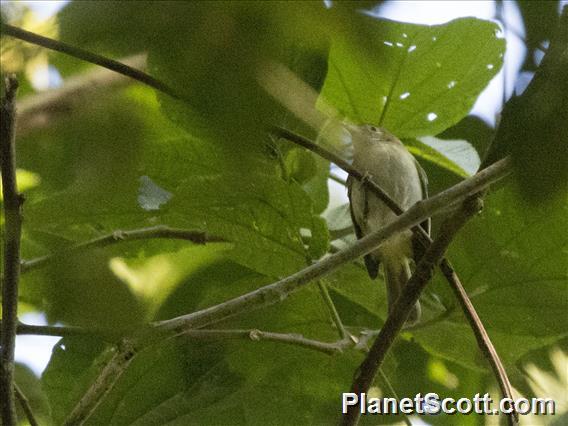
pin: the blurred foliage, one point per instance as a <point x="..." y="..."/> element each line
<point x="134" y="158"/>
<point x="33" y="390"/>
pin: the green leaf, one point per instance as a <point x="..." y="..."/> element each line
<point x="74" y="363"/>
<point x="312" y="173"/>
<point x="238" y="196"/>
<point x="80" y="289"/>
<point x="472" y="129"/>
<point x="511" y="260"/>
<point x="153" y="278"/>
<point x="457" y="156"/>
<point x="414" y="80"/>
<point x="187" y="381"/>
<point x="32" y="389"/>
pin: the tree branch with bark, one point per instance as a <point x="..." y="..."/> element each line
<point x="273" y="293"/>
<point x="12" y="231"/>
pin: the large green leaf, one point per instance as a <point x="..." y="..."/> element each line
<point x="30" y="387"/>
<point x="121" y="163"/>
<point x="415" y="80"/>
<point x="217" y="381"/>
<point x="239" y="196"/>
<point x="457" y="156"/>
<point x="74" y="363"/>
<point x="512" y="261"/>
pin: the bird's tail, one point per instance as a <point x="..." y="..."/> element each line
<point x="397" y="273"/>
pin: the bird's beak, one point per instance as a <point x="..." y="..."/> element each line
<point x="352" y="128"/>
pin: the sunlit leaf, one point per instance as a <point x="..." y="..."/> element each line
<point x="415" y="80"/>
<point x="457" y="156"/>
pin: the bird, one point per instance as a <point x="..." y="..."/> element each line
<point x="382" y="157"/>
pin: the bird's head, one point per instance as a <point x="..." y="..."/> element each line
<point x="369" y="133"/>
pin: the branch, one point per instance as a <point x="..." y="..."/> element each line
<point x="332" y="310"/>
<point x="276" y="292"/>
<point x="339" y="162"/>
<point x="161" y="231"/>
<point x="110" y="336"/>
<point x="258" y="335"/>
<point x="410" y="294"/>
<point x="483" y="340"/>
<point x="13" y="228"/>
<point x="90" y="57"/>
<point x="25" y="404"/>
<point x="254" y="335"/>
<point x="156" y="84"/>
<point x="37" y="111"/>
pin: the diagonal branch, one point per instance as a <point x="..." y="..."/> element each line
<point x="90" y="57"/>
<point x="276" y="292"/>
<point x="25" y="404"/>
<point x="160" y="231"/>
<point x="152" y="82"/>
<point x="410" y="294"/>
<point x="12" y="233"/>
<point x="483" y="340"/>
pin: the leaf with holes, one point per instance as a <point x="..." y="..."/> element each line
<point x="414" y="80"/>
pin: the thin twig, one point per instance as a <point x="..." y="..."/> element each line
<point x="435" y="320"/>
<point x="25" y="404"/>
<point x="276" y="292"/>
<point x="110" y="336"/>
<point x="332" y="309"/>
<point x="91" y="57"/>
<point x="255" y="335"/>
<point x="483" y="340"/>
<point x="160" y="231"/>
<point x="336" y="234"/>
<point x="411" y="292"/>
<point x="391" y="389"/>
<point x="250" y="334"/>
<point x="13" y="228"/>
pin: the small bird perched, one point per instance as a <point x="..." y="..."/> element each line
<point x="384" y="159"/>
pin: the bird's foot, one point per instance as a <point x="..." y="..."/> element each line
<point x="367" y="177"/>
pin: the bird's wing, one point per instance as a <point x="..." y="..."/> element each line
<point x="418" y="248"/>
<point x="371" y="262"/>
<point x="426" y="225"/>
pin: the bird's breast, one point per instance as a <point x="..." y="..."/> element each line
<point x="393" y="168"/>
